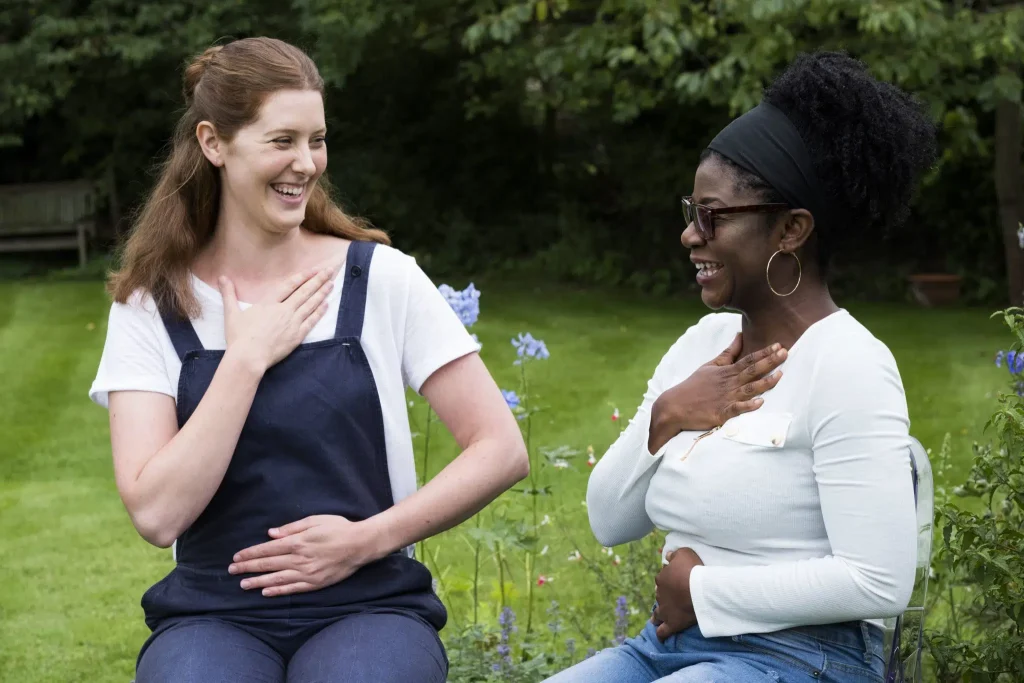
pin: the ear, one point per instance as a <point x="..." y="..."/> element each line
<point x="210" y="143"/>
<point x="795" y="230"/>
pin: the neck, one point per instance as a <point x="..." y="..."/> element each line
<point x="248" y="253"/>
<point x="783" y="320"/>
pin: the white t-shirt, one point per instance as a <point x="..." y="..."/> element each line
<point x="409" y="331"/>
<point x="802" y="510"/>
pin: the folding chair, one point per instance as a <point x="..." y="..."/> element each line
<point x="904" y="635"/>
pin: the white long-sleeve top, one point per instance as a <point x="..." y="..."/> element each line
<point x="802" y="510"/>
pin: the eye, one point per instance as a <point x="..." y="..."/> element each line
<point x="282" y="141"/>
<point x="319" y="141"/>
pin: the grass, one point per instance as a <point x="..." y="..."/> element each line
<point x="74" y="569"/>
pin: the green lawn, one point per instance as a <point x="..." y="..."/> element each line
<point x="73" y="569"/>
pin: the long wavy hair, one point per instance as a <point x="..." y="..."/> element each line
<point x="225" y="85"/>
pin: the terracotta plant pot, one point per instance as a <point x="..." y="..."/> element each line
<point x="935" y="289"/>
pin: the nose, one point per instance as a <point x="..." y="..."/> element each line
<point x="690" y="237"/>
<point x="303" y="162"/>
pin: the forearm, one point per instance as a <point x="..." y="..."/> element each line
<point x="176" y="484"/>
<point x="617" y="490"/>
<point x="759" y="599"/>
<point x="469" y="483"/>
<point x="867" y="505"/>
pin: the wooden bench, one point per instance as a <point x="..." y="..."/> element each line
<point x="48" y="217"/>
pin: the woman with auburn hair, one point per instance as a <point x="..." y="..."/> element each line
<point x="257" y="354"/>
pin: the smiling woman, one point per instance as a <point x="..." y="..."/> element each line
<point x="269" y="442"/>
<point x="772" y="444"/>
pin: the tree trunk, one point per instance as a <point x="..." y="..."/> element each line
<point x="1010" y="191"/>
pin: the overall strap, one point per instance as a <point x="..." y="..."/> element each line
<point x="353" y="291"/>
<point x="182" y="334"/>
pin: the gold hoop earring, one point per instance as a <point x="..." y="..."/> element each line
<point x="799" y="272"/>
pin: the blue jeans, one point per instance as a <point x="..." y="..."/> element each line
<point x="361" y="648"/>
<point x="840" y="653"/>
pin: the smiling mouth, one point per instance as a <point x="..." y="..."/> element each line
<point x="289" y="190"/>
<point x="707" y="270"/>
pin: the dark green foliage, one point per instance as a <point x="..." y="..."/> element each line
<point x="552" y="135"/>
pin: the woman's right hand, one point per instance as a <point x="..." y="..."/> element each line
<point x="268" y="331"/>
<point x="717" y="391"/>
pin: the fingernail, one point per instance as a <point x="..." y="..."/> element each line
<point x="245" y="583"/>
<point x="780" y="354"/>
<point x="775" y="347"/>
<point x="232" y="569"/>
<point x="237" y="557"/>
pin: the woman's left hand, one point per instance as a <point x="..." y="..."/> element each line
<point x="674" y="611"/>
<point x="306" y="555"/>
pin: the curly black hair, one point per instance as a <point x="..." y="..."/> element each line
<point x="870" y="142"/>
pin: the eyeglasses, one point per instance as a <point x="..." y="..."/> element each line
<point x="703" y="217"/>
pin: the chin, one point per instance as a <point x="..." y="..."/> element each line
<point x="284" y="223"/>
<point x="714" y="299"/>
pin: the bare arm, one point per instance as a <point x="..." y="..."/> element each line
<point x="167" y="477"/>
<point x="494" y="457"/>
<point x="323" y="549"/>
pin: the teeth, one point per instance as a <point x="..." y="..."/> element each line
<point x="708" y="266"/>
<point x="290" y="190"/>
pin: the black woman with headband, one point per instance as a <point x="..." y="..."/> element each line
<point x="772" y="444"/>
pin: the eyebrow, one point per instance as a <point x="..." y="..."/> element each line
<point x="707" y="200"/>
<point x="292" y="131"/>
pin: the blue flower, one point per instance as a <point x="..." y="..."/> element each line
<point x="1014" y="361"/>
<point x="528" y="347"/>
<point x="507" y="619"/>
<point x="465" y="303"/>
<point x="621" y="620"/>
<point x="511" y="400"/>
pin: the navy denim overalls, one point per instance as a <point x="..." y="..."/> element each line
<point x="312" y="444"/>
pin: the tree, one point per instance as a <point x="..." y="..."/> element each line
<point x="95" y="85"/>
<point x="618" y="58"/>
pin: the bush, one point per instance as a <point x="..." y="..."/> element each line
<point x="980" y="565"/>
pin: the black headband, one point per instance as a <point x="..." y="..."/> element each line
<point x="765" y="142"/>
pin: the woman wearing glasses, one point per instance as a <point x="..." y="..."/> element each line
<point x="772" y="442"/>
